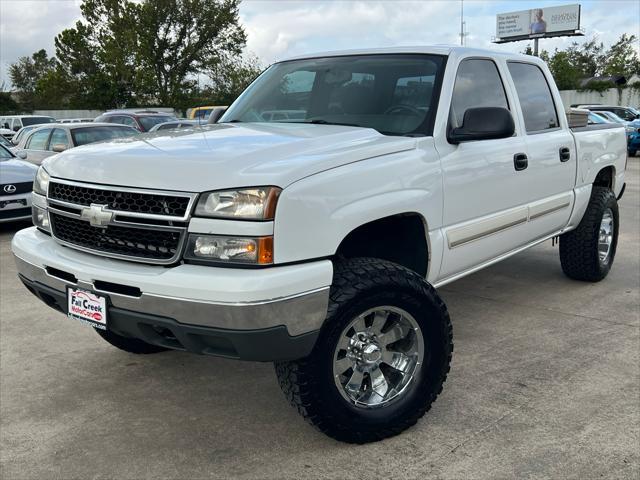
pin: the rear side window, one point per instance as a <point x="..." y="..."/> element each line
<point x="535" y="97"/>
<point x="38" y="139"/>
<point x="478" y="84"/>
<point x="59" y="137"/>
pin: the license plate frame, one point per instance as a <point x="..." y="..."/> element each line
<point x="87" y="307"/>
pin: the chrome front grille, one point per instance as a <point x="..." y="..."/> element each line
<point x="139" y="225"/>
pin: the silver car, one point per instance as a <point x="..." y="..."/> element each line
<point x="16" y="183"/>
<point x="48" y="140"/>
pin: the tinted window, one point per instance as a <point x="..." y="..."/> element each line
<point x="4" y="153"/>
<point x="537" y="105"/>
<point x="360" y="90"/>
<point x="84" y="135"/>
<point x="37" y="120"/>
<point x="58" y="137"/>
<point x="38" y="139"/>
<point x="149" y="122"/>
<point x="478" y="84"/>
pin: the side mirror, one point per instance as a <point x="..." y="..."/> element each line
<point x="21" y="154"/>
<point x="59" y="147"/>
<point x="215" y="114"/>
<point x="16" y="128"/>
<point x="483" y="123"/>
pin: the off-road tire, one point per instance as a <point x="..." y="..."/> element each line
<point x="579" y="248"/>
<point x="131" y="345"/>
<point x="358" y="285"/>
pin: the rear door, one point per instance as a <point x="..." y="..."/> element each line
<point x="550" y="150"/>
<point x="36" y="146"/>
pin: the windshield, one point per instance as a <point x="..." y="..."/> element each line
<point x="4" y="153"/>
<point x="393" y="94"/>
<point x="36" y="120"/>
<point x="150" y="122"/>
<point x="82" y="136"/>
<point x="5" y="142"/>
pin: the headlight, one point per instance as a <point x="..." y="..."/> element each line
<point x="215" y="248"/>
<point x="40" y="218"/>
<point x="41" y="182"/>
<point x="243" y="204"/>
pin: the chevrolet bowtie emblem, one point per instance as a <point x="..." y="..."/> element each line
<point x="98" y="215"/>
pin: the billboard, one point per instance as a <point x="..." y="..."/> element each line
<point x="538" y="23"/>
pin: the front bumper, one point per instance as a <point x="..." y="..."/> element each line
<point x="267" y="314"/>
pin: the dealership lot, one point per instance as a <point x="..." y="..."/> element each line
<point x="545" y="382"/>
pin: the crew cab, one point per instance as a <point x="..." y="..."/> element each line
<point x="317" y="240"/>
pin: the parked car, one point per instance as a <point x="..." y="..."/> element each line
<point x="16" y="182"/>
<point x="20" y="134"/>
<point x="318" y="242"/>
<point x="46" y="141"/>
<point x="627" y="114"/>
<point x="5" y="143"/>
<point x="75" y="120"/>
<point x="142" y="120"/>
<point x="175" y="125"/>
<point x="200" y="113"/>
<point x="16" y="122"/>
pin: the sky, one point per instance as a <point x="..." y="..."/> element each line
<point x="278" y="29"/>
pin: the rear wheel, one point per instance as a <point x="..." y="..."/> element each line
<point x="587" y="253"/>
<point x="381" y="358"/>
<point x="131" y="345"/>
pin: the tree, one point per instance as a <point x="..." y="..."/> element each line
<point x="587" y="58"/>
<point x="7" y="104"/>
<point x="622" y="58"/>
<point x="127" y="53"/>
<point x="27" y="72"/>
<point x="230" y="78"/>
<point x="565" y="73"/>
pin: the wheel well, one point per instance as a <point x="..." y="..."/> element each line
<point x="605" y="178"/>
<point x="400" y="239"/>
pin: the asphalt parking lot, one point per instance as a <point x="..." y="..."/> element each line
<point x="545" y="382"/>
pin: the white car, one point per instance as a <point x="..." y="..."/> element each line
<point x="318" y="241"/>
<point x="16" y="182"/>
<point x="48" y="140"/>
<point x="12" y="123"/>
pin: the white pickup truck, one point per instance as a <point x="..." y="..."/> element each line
<point x="315" y="237"/>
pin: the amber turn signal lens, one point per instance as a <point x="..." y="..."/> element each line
<point x="265" y="250"/>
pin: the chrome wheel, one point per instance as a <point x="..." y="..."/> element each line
<point x="378" y="355"/>
<point x="605" y="236"/>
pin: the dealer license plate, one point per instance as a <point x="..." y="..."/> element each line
<point x="87" y="307"/>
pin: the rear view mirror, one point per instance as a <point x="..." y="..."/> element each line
<point x="59" y="147"/>
<point x="483" y="123"/>
<point x="21" y="154"/>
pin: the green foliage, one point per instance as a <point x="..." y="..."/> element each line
<point x="230" y="78"/>
<point x="27" y="72"/>
<point x="7" y="104"/>
<point x="129" y="53"/>
<point x="591" y="59"/>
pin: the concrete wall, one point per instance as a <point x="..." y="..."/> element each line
<point x="627" y="97"/>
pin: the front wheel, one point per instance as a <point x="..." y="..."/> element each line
<point x="381" y="358"/>
<point x="587" y="252"/>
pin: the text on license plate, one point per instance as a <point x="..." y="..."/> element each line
<point x="87" y="307"/>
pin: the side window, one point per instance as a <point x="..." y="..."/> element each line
<point x="17" y="124"/>
<point x="537" y="105"/>
<point x="38" y="140"/>
<point x="478" y="84"/>
<point x="127" y="121"/>
<point x="58" y="137"/>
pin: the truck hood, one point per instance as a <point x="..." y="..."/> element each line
<point x="223" y="156"/>
<point x="17" y="171"/>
